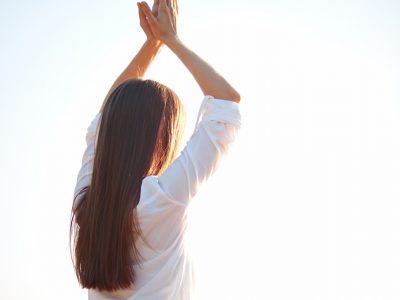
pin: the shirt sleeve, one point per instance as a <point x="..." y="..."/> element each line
<point x="202" y="154"/>
<point x="85" y="173"/>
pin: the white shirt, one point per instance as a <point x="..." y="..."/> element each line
<point x="166" y="272"/>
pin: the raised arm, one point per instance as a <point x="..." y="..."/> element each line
<point x="220" y="122"/>
<point x="141" y="62"/>
<point x="164" y="28"/>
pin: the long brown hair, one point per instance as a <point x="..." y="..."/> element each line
<point x="139" y="135"/>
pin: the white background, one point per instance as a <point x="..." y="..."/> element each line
<point x="306" y="206"/>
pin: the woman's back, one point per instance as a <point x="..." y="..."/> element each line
<point x="166" y="269"/>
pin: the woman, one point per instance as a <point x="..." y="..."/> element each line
<point x="132" y="192"/>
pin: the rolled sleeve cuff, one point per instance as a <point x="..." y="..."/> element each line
<point x="222" y="110"/>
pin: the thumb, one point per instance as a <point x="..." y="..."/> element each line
<point x="154" y="9"/>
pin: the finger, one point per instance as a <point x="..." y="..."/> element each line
<point x="163" y="4"/>
<point x="154" y="9"/>
<point x="176" y="6"/>
<point x="142" y="18"/>
<point x="149" y="16"/>
<point x="169" y="4"/>
<point x="143" y="23"/>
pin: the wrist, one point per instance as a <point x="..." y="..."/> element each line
<point x="155" y="44"/>
<point x="172" y="41"/>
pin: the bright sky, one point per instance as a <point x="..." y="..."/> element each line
<point x="306" y="206"/>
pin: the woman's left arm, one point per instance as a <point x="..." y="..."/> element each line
<point x="141" y="62"/>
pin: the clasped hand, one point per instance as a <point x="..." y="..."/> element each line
<point x="159" y="23"/>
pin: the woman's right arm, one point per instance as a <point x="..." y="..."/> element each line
<point x="164" y="28"/>
<point x="221" y="118"/>
<point x="210" y="82"/>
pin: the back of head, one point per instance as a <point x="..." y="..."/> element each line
<point x="144" y="117"/>
<point x="139" y="135"/>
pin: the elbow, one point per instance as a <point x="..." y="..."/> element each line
<point x="235" y="96"/>
<point x="228" y="94"/>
